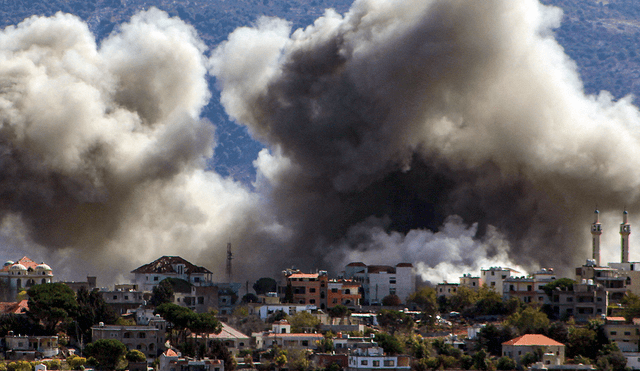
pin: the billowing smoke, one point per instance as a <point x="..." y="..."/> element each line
<point x="454" y="135"/>
<point x="389" y="121"/>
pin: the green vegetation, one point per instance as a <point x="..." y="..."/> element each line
<point x="106" y="353"/>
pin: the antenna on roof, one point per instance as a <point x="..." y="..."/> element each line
<point x="229" y="257"/>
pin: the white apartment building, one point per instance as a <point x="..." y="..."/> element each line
<point x="379" y="281"/>
<point x="494" y="277"/>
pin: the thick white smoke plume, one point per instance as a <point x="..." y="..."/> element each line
<point x="451" y="134"/>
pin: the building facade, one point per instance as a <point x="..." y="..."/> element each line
<point x="379" y="281"/>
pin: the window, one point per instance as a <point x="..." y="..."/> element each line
<point x="201" y="300"/>
<point x="196" y="279"/>
<point x="627" y="333"/>
<point x="493" y="284"/>
<point x="504" y="276"/>
<point x="115" y="297"/>
<point x="334" y="290"/>
<point x="155" y="278"/>
<point x="376" y="363"/>
<point x="305" y="343"/>
<point x="312" y="289"/>
<point x="312" y="301"/>
<point x="389" y="363"/>
<point x="142" y="335"/>
<point x="364" y="362"/>
<point x="392" y="280"/>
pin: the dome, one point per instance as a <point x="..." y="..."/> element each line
<point x="8" y="262"/>
<point x="18" y="267"/>
<point x="43" y="267"/>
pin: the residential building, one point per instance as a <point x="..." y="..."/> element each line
<point x="234" y="340"/>
<point x="494" y="277"/>
<point x="264" y="311"/>
<point x="379" y="281"/>
<point x="373" y="359"/>
<point x="30" y="347"/>
<point x="625" y="335"/>
<point x="150" y="275"/>
<point x="611" y="280"/>
<point x="307" y="288"/>
<point x="516" y="348"/>
<point x="173" y="361"/>
<point x="343" y="292"/>
<point x="281" y="336"/>
<point x="529" y="289"/>
<point x="321" y="361"/>
<point x="123" y="301"/>
<point x="472" y="282"/>
<point x="18" y="307"/>
<point x="21" y="275"/>
<point x="447" y="289"/>
<point x="147" y="339"/>
<point x="89" y="284"/>
<point x="586" y="300"/>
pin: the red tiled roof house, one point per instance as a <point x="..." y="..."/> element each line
<point x="518" y="347"/>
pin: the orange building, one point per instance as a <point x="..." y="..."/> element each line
<point x="308" y="288"/>
<point x="343" y="292"/>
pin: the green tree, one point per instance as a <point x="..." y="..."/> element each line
<point x="506" y="363"/>
<point x="303" y="321"/>
<point x="135" y="355"/>
<point x="339" y="311"/>
<point x="162" y="293"/>
<point x="582" y="341"/>
<point x="394" y="320"/>
<point x="106" y="352"/>
<point x="529" y="321"/>
<point x="611" y="358"/>
<point x="463" y="299"/>
<point x="264" y="285"/>
<point x="425" y="299"/>
<point x="529" y="358"/>
<point x="492" y="337"/>
<point x="91" y="309"/>
<point x="389" y="343"/>
<point x="219" y="351"/>
<point x="391" y="301"/>
<point x="481" y="360"/>
<point x="75" y="362"/>
<point x="51" y="303"/>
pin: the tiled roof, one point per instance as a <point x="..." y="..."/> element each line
<point x="356" y="264"/>
<point x="228" y="332"/>
<point x="14" y="307"/>
<point x="170" y="353"/>
<point x="615" y="319"/>
<point x="165" y="265"/>
<point x="28" y="263"/>
<point x="532" y="339"/>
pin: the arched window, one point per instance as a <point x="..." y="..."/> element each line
<point x="18" y="283"/>
<point x="347" y="292"/>
<point x="44" y="280"/>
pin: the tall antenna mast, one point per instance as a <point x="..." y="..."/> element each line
<point x="229" y="257"/>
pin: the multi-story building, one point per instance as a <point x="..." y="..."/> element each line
<point x="264" y="311"/>
<point x="610" y="278"/>
<point x="149" y="339"/>
<point x="625" y="335"/>
<point x="123" y="301"/>
<point x="447" y="289"/>
<point x="234" y="340"/>
<point x="373" y="359"/>
<point x="90" y="284"/>
<point x="307" y="288"/>
<point x="494" y="277"/>
<point x="280" y="335"/>
<point x="586" y="300"/>
<point x="472" y="282"/>
<point x="172" y="361"/>
<point x="30" y="347"/>
<point x="529" y="289"/>
<point x="150" y="275"/>
<point x="21" y="275"/>
<point x="379" y="281"/>
<point x="343" y="292"/>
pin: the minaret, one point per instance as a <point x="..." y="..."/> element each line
<point x="596" y="231"/>
<point x="625" y="231"/>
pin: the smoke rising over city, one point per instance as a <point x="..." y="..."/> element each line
<point x="453" y="135"/>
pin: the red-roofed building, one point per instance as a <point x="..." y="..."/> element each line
<point x="624" y="334"/>
<point x="516" y="348"/>
<point x="172" y="361"/>
<point x="21" y="275"/>
<point x="234" y="340"/>
<point x="19" y="307"/>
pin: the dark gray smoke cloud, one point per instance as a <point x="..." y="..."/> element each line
<point x="392" y="119"/>
<point x="454" y="135"/>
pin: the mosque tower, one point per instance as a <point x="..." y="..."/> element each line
<point x="625" y="231"/>
<point x="596" y="231"/>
